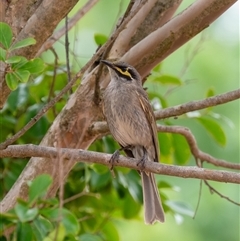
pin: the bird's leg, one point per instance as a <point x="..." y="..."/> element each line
<point x="141" y="163"/>
<point x="116" y="154"/>
<point x="114" y="158"/>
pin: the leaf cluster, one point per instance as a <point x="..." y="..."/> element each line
<point x="18" y="68"/>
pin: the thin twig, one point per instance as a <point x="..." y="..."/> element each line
<point x="199" y="198"/>
<point x="51" y="92"/>
<point x="67" y="52"/>
<point x="198" y="105"/>
<point x="54" y="73"/>
<point x="84" y="193"/>
<point x="213" y="190"/>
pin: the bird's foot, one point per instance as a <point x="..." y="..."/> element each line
<point x="116" y="154"/>
<point x="114" y="158"/>
<point x="141" y="163"/>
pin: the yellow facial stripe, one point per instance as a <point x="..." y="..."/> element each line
<point x="123" y="72"/>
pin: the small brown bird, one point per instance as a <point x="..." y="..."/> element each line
<point x="132" y="123"/>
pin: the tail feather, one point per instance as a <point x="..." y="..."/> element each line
<point x="152" y="203"/>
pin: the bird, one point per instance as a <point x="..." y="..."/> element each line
<point x="131" y="121"/>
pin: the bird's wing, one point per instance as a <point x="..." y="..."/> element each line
<point x="147" y="108"/>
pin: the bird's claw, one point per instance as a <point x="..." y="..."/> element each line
<point x="141" y="163"/>
<point x="114" y="158"/>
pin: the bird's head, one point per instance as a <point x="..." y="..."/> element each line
<point x="121" y="71"/>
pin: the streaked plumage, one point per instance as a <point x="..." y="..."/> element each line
<point x="131" y="122"/>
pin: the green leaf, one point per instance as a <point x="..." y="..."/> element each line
<point x="155" y="94"/>
<point x="34" y="66"/>
<point x="3" y="53"/>
<point x="39" y="186"/>
<point x="18" y="99"/>
<point x="70" y="222"/>
<point x="100" y="169"/>
<point x="89" y="237"/>
<point x="57" y="234"/>
<point x="24" y="232"/>
<point x="164" y="184"/>
<point x="99" y="181"/>
<point x="180" y="207"/>
<point x="130" y="208"/>
<point x="68" y="219"/>
<point x="134" y="188"/>
<point x="25" y="213"/>
<point x="181" y="149"/>
<point x="157" y="68"/>
<point x="23" y="43"/>
<point x="165" y="141"/>
<point x="7" y="219"/>
<point x="18" y="65"/>
<point x="5" y="35"/>
<point x="23" y="75"/>
<point x="110" y="232"/>
<point x="214" y="129"/>
<point x="12" y="81"/>
<point x="41" y="227"/>
<point x="100" y="39"/>
<point x="167" y="79"/>
<point x="210" y="93"/>
<point x="13" y="59"/>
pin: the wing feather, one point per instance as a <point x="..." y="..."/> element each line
<point x="146" y="107"/>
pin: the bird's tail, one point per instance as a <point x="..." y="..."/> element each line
<point x="152" y="203"/>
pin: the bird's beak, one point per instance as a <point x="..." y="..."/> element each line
<point x="109" y="64"/>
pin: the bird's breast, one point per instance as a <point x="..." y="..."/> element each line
<point x="125" y="117"/>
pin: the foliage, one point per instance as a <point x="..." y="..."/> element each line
<point x="19" y="68"/>
<point x="94" y="202"/>
<point x="39" y="218"/>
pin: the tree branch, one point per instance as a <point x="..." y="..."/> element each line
<point x="198" y="154"/>
<point x="151" y="16"/>
<point x="72" y="21"/>
<point x="198" y="105"/>
<point x="179" y="30"/>
<point x="102" y="158"/>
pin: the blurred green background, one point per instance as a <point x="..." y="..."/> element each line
<point x="207" y="63"/>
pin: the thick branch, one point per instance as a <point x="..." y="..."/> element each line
<point x="102" y="158"/>
<point x="72" y="21"/>
<point x="17" y="13"/>
<point x="151" y="16"/>
<point x="165" y="40"/>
